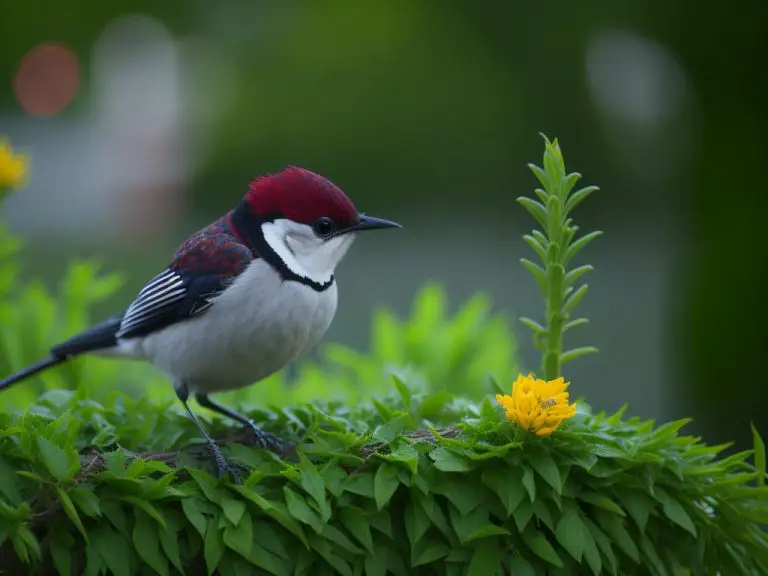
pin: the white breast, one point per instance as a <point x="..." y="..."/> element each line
<point x="254" y="328"/>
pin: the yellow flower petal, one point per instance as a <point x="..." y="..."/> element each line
<point x="13" y="167"/>
<point x="538" y="404"/>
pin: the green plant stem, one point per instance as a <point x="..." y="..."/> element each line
<point x="555" y="248"/>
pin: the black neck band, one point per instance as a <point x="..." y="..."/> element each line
<point x="249" y="226"/>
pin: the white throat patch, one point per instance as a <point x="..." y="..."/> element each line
<point x="302" y="252"/>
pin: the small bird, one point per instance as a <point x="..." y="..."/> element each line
<point x="241" y="298"/>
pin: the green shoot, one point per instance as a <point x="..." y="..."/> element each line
<point x="555" y="245"/>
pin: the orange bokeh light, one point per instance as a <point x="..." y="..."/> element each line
<point x="47" y="79"/>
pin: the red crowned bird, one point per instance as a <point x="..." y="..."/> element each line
<point x="240" y="299"/>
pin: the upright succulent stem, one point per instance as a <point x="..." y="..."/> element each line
<point x="555" y="247"/>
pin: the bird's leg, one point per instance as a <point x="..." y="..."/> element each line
<point x="263" y="439"/>
<point x="223" y="467"/>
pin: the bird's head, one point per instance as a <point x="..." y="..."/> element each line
<point x="308" y="222"/>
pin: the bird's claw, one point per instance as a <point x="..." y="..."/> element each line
<point x="267" y="440"/>
<point x="225" y="469"/>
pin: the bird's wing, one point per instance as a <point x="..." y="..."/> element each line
<point x="186" y="288"/>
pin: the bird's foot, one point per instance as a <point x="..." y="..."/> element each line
<point x="267" y="440"/>
<point x="224" y="468"/>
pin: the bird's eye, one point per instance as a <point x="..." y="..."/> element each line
<point x="324" y="227"/>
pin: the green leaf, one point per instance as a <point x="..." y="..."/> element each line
<point x="538" y="273"/>
<point x="759" y="447"/>
<point x="594" y="535"/>
<point x="402" y="388"/>
<point x="507" y="486"/>
<point x="674" y="511"/>
<point x="385" y="483"/>
<point x="570" y="532"/>
<point x="464" y="495"/>
<point x="147" y="543"/>
<point x="487" y="531"/>
<point x="356" y="522"/>
<point x="519" y="566"/>
<point x="538" y="248"/>
<point x="578" y="245"/>
<point x="194" y="515"/>
<point x="322" y="547"/>
<point x="113" y="548"/>
<point x="361" y="484"/>
<point x="406" y="454"/>
<point x="71" y="512"/>
<point x="265" y="534"/>
<point x="575" y="324"/>
<point x="207" y="483"/>
<point x="577" y="353"/>
<point x="146" y="507"/>
<point x="540" y="175"/>
<point x="416" y="522"/>
<point x="522" y="515"/>
<point x="536" y="209"/>
<point x="233" y="509"/>
<point x="600" y="501"/>
<point x="391" y="429"/>
<point x="338" y="537"/>
<point x="213" y="546"/>
<point x="486" y="560"/>
<point x="86" y="500"/>
<point x="9" y="483"/>
<point x="300" y="510"/>
<point x="430" y="551"/>
<point x="61" y="546"/>
<point x="529" y="482"/>
<point x="169" y="540"/>
<point x="592" y="556"/>
<point x="375" y="564"/>
<point x="540" y="546"/>
<point x="614" y="527"/>
<point x="547" y="469"/>
<point x="448" y="461"/>
<point x="314" y="485"/>
<point x="55" y="459"/>
<point x="240" y="537"/>
<point x="573" y="275"/>
<point x="637" y="504"/>
<point x="649" y="551"/>
<point x="533" y="325"/>
<point x="573" y="300"/>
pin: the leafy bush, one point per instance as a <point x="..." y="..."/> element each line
<point x="418" y="478"/>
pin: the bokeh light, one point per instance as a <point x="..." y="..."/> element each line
<point x="47" y="79"/>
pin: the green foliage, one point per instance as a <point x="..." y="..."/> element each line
<point x="371" y="491"/>
<point x="556" y="247"/>
<point x="402" y="465"/>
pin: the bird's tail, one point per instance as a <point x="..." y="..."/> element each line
<point x="98" y="338"/>
<point x="31" y="370"/>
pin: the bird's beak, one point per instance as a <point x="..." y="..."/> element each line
<point x="372" y="223"/>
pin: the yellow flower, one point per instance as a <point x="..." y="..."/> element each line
<point x="13" y="167"/>
<point x="537" y="405"/>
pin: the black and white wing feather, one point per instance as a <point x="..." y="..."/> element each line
<point x="181" y="292"/>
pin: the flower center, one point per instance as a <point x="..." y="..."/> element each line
<point x="548" y="403"/>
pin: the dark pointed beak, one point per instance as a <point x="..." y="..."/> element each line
<point x="372" y="223"/>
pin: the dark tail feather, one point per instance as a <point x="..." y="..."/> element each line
<point x="98" y="337"/>
<point x="31" y="370"/>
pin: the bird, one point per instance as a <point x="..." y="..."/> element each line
<point x="240" y="299"/>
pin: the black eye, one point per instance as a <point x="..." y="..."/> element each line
<point x="324" y="227"/>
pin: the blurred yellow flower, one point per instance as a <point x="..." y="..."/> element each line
<point x="13" y="167"/>
<point x="538" y="405"/>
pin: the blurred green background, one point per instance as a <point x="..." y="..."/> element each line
<point x="147" y="119"/>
